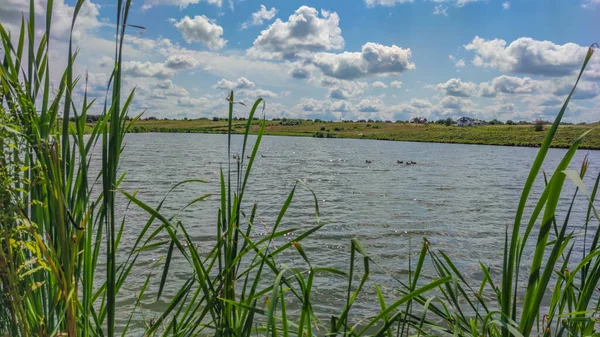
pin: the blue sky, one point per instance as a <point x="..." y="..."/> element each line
<point x="352" y="59"/>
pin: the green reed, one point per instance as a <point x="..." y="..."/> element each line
<point x="59" y="274"/>
<point x="51" y="235"/>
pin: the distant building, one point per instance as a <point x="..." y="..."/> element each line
<point x="477" y="122"/>
<point x="465" y="121"/>
<point x="418" y="120"/>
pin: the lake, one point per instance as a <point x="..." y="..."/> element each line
<point x="460" y="197"/>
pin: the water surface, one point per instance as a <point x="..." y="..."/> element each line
<point x="460" y="197"/>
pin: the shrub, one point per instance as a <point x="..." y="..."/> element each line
<point x="538" y="125"/>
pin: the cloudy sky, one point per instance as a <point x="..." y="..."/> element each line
<point x="340" y="59"/>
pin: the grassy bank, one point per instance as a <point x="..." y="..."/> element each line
<point x="508" y="135"/>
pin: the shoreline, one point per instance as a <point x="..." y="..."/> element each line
<point x="495" y="135"/>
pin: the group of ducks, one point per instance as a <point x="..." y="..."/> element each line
<point x="235" y="156"/>
<point x="399" y="162"/>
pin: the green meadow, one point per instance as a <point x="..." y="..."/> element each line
<point x="508" y="135"/>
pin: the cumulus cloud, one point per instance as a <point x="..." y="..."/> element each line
<point x="166" y="89"/>
<point x="179" y="3"/>
<point x="299" y="70"/>
<point x="506" y="5"/>
<point x="340" y="89"/>
<point x="396" y="84"/>
<point x="181" y="61"/>
<point x="452" y="105"/>
<point x="258" y="18"/>
<point x="11" y="12"/>
<point x="370" y="105"/>
<point x="373" y="59"/>
<point x="201" y="29"/>
<point x="304" y="32"/>
<point x="508" y="85"/>
<point x="379" y="85"/>
<point x="527" y="56"/>
<point x="240" y="83"/>
<point x="584" y="90"/>
<point x="386" y="3"/>
<point x="146" y="69"/>
<point x="456" y="87"/>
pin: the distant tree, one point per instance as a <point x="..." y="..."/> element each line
<point x="370" y="121"/>
<point x="362" y="121"/>
<point x="215" y="119"/>
<point x="184" y="118"/>
<point x="495" y="122"/>
<point x="151" y="118"/>
<point x="317" y="120"/>
<point x="538" y="125"/>
<point x="448" y="121"/>
<point x="524" y="123"/>
<point x="323" y="128"/>
<point x="440" y="121"/>
<point x="510" y="122"/>
<point x="388" y="121"/>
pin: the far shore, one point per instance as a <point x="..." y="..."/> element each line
<point x="504" y="135"/>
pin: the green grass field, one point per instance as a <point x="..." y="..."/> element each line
<point x="508" y="135"/>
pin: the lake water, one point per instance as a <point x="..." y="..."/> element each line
<point x="461" y="197"/>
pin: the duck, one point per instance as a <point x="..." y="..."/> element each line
<point x="400" y="162"/>
<point x="263" y="156"/>
<point x="248" y="157"/>
<point x="368" y="161"/>
<point x="413" y="162"/>
<point x="235" y="156"/>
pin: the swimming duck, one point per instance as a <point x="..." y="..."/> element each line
<point x="400" y="162"/>
<point x="368" y="161"/>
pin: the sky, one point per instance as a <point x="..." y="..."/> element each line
<point x="337" y="59"/>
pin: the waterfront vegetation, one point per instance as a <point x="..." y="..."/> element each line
<point x="60" y="234"/>
<point x="508" y="135"/>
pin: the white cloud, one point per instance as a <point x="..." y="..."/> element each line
<point x="527" y="56"/>
<point x="458" y="63"/>
<point x="589" y="3"/>
<point x="379" y="85"/>
<point x="166" y="88"/>
<point x="257" y="93"/>
<point x="181" y="61"/>
<point x="396" y="84"/>
<point x="240" y="83"/>
<point x="11" y="12"/>
<point x="386" y="3"/>
<point x="146" y="69"/>
<point x="341" y="89"/>
<point x="374" y="59"/>
<point x="506" y="5"/>
<point x="179" y="3"/>
<point x="508" y="85"/>
<point x="584" y="90"/>
<point x="456" y="87"/>
<point x="303" y="33"/>
<point x="454" y="105"/>
<point x="370" y="105"/>
<point x="259" y="17"/>
<point x="201" y="29"/>
<point x="440" y="10"/>
<point x="299" y="70"/>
